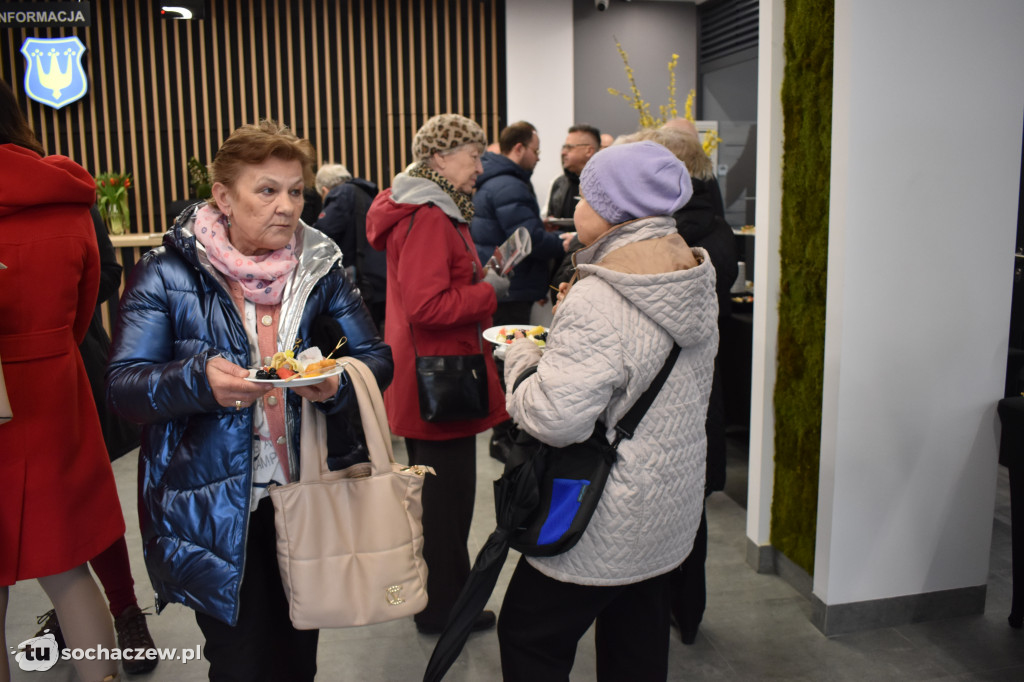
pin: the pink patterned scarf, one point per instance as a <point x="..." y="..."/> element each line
<point x="262" y="277"/>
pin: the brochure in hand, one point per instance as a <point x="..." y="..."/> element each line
<point x="512" y="252"/>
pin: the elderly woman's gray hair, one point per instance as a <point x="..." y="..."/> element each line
<point x="331" y="175"/>
<point x="684" y="144"/>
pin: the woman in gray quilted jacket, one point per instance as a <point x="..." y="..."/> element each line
<point x="638" y="291"/>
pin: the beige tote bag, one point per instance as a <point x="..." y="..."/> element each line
<point x="350" y="543"/>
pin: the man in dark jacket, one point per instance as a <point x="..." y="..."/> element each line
<point x="582" y="142"/>
<point x="504" y="201"/>
<point x="343" y="218"/>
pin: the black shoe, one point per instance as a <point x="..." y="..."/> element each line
<point x="688" y="635"/>
<point x="133" y="633"/>
<point x="51" y="625"/>
<point x="485" y="621"/>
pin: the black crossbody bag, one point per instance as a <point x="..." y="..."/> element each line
<point x="559" y="488"/>
<point x="451" y="387"/>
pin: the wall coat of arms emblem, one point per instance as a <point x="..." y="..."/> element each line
<point x="54" y="75"/>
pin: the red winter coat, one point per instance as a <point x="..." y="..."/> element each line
<point x="59" y="505"/>
<point x="431" y="286"/>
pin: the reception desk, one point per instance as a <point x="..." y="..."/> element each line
<point x="147" y="241"/>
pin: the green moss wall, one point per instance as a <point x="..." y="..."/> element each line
<point x="803" y="250"/>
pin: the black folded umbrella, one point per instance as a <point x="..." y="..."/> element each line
<point x="515" y="497"/>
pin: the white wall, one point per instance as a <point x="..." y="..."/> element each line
<point x="926" y="153"/>
<point x="539" y="48"/>
<point x="650" y="33"/>
<point x="542" y="37"/>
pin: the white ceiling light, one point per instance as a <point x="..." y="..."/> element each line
<point x="181" y="12"/>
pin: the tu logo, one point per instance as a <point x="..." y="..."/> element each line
<point x="38" y="653"/>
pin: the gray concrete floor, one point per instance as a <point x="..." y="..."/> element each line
<point x="756" y="626"/>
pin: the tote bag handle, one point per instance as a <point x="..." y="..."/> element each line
<point x="313" y="433"/>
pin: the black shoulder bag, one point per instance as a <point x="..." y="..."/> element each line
<point x="550" y="493"/>
<point x="451" y="387"/>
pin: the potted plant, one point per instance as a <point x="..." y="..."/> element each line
<point x="199" y="185"/>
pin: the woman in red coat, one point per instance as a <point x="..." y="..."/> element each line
<point x="440" y="298"/>
<point x="59" y="505"/>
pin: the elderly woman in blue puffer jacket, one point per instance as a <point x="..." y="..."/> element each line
<point x="236" y="280"/>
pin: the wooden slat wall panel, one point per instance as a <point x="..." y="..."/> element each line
<point x="356" y="78"/>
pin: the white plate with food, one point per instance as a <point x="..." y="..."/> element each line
<point x="504" y="334"/>
<point x="296" y="379"/>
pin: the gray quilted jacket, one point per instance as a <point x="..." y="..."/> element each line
<point x="609" y="338"/>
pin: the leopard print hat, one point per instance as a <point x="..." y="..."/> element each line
<point x="445" y="132"/>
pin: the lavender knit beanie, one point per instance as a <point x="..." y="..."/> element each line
<point x="635" y="180"/>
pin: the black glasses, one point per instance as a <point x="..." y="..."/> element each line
<point x="568" y="147"/>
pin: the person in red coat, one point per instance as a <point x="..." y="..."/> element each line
<point x="59" y="506"/>
<point x="439" y="299"/>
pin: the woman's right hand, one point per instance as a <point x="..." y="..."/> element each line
<point x="500" y="284"/>
<point x="229" y="385"/>
<point x="563" y="289"/>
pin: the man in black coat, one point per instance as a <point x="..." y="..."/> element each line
<point x="346" y="201"/>
<point x="701" y="223"/>
<point x="582" y="142"/>
<point x="343" y="218"/>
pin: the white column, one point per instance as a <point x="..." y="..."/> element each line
<point x="926" y="154"/>
<point x="539" y="59"/>
<point x="771" y="61"/>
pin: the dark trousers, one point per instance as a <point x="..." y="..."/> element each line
<point x="263" y="645"/>
<point x="542" y="620"/>
<point x="448" y="500"/>
<point x="688" y="585"/>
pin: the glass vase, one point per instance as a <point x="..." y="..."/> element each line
<point x="117" y="217"/>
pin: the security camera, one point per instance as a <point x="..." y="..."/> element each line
<point x="601" y="5"/>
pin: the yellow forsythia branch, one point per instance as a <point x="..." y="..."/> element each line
<point x="710" y="142"/>
<point x="670" y="112"/>
<point x="711" y="139"/>
<point x="638" y="103"/>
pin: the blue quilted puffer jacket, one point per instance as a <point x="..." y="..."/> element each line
<point x="196" y="456"/>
